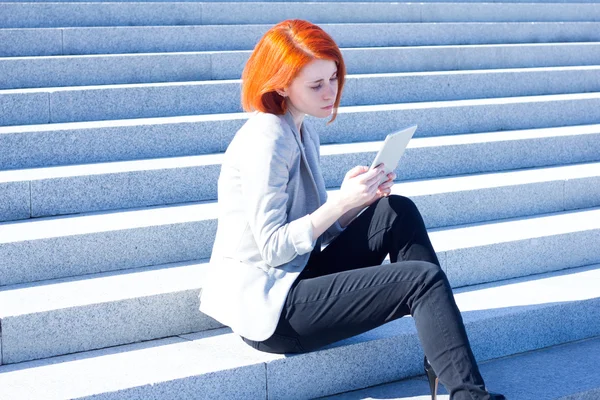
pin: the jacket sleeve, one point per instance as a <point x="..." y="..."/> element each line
<point x="264" y="173"/>
<point x="332" y="232"/>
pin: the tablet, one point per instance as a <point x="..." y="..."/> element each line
<point x="392" y="149"/>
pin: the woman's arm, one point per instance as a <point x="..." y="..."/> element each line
<point x="350" y="215"/>
<point x="358" y="189"/>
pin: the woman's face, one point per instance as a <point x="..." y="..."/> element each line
<point x="314" y="90"/>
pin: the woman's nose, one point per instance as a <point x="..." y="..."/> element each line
<point x="331" y="91"/>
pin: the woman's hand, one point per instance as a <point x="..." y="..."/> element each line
<point x="384" y="189"/>
<point x="361" y="187"/>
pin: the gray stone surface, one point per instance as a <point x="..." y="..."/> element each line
<point x="467" y="116"/>
<point x="160" y="39"/>
<point x="267" y="13"/>
<point x="501" y="319"/>
<point x="144" y="101"/>
<point x="41" y="15"/>
<point x="90" y="142"/>
<point x="464" y="207"/>
<point x="448" y="58"/>
<point x="172" y="67"/>
<point x="78" y="189"/>
<point x="20" y="107"/>
<point x="111" y="318"/>
<point x="30" y="42"/>
<point x="458" y="85"/>
<point x="101" y="325"/>
<point x="350" y="1"/>
<point x="15" y="201"/>
<point x="344" y="367"/>
<point x="109" y="191"/>
<point x="562" y="372"/>
<point x="172" y="99"/>
<point x="173" y="368"/>
<point x="468" y="266"/>
<point x="582" y="193"/>
<point x="73" y="255"/>
<point x="428" y="160"/>
<point x="194" y="38"/>
<point x="592" y="394"/>
<point x="63" y="144"/>
<point x="41" y="72"/>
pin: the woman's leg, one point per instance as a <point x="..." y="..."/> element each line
<point x="340" y="295"/>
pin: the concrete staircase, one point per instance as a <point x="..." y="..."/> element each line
<point x="113" y="120"/>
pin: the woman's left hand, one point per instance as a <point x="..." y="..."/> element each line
<point x="383" y="190"/>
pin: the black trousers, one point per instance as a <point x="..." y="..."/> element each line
<point x="344" y="291"/>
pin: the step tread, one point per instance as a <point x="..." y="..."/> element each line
<point x="202" y="353"/>
<point x="514" y="229"/>
<point x="113" y="286"/>
<point x="115" y="167"/>
<point x="214" y="82"/>
<point x="48" y="227"/>
<point x="80" y="224"/>
<point x="342" y="110"/>
<point x="117" y="368"/>
<point x="545" y="374"/>
<point x="100" y="288"/>
<point x="348" y="49"/>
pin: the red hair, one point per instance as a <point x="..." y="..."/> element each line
<point x="278" y="57"/>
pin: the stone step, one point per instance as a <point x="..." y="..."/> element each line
<point x="63" y="190"/>
<point x="562" y="372"/>
<point x="151" y="39"/>
<point x="61" y="71"/>
<point x="33" y="146"/>
<point x="48" y="15"/>
<point x="523" y="315"/>
<point x="307" y="1"/>
<point x="168" y="234"/>
<point x="109" y="102"/>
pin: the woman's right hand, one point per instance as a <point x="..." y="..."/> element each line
<point x="360" y="186"/>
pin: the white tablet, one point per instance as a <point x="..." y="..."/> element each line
<point x="392" y="149"/>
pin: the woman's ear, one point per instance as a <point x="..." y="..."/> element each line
<point x="282" y="92"/>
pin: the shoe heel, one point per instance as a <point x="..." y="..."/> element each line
<point x="432" y="378"/>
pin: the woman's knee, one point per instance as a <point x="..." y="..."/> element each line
<point x="429" y="272"/>
<point x="399" y="205"/>
<point x="402" y="204"/>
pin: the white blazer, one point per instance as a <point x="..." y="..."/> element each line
<point x="270" y="181"/>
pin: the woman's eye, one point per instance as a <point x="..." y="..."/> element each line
<point x="334" y="78"/>
<point x="316" y="87"/>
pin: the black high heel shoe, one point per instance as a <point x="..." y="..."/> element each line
<point x="434" y="382"/>
<point x="431" y="377"/>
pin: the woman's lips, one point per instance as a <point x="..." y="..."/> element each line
<point x="329" y="107"/>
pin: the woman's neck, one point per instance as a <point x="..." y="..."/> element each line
<point x="297" y="116"/>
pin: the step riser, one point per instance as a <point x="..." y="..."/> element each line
<point x="238" y="383"/>
<point x="101" y="325"/>
<point x="76" y="105"/>
<point x="107" y="251"/>
<point x="38" y="259"/>
<point x="132" y="14"/>
<point x="508" y="260"/>
<point x="57" y="41"/>
<point x="536" y="318"/>
<point x="194" y="136"/>
<point x="548" y="2"/>
<point x="177" y="313"/>
<point x="17" y="73"/>
<point x="299" y="377"/>
<point x="78" y="194"/>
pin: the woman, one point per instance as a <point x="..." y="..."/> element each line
<point x="270" y="280"/>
